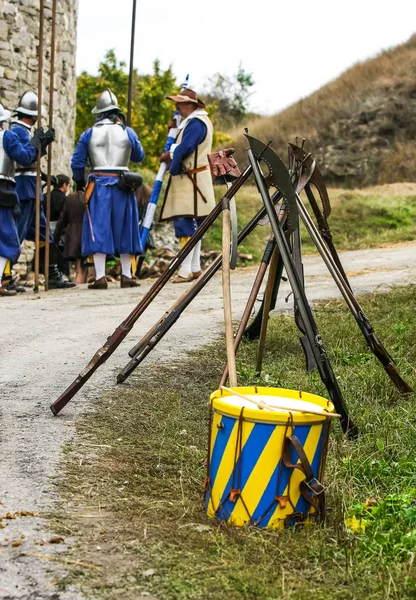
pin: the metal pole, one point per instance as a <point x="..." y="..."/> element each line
<point x="38" y="181"/>
<point x="48" y="185"/>
<point x="130" y="92"/>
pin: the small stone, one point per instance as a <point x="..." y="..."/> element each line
<point x="149" y="572"/>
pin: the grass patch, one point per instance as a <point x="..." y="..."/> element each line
<point x="138" y="466"/>
<point x="366" y="218"/>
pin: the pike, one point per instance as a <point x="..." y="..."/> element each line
<point x="48" y="183"/>
<point x="157" y="186"/>
<point x="38" y="165"/>
<point x="125" y="327"/>
<point x="323" y="364"/>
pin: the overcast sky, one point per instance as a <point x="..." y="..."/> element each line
<point x="291" y="47"/>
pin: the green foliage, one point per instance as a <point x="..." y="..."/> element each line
<point x="229" y="96"/>
<point x="151" y="112"/>
<point x="387" y="528"/>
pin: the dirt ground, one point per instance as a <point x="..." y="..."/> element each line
<point x="47" y="339"/>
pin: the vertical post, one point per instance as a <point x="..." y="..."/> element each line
<point x="130" y="90"/>
<point x="39" y="124"/>
<point x="48" y="185"/>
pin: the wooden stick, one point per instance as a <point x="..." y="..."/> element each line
<point x="39" y="124"/>
<point x="226" y="291"/>
<point x="48" y="185"/>
<point x="263" y="405"/>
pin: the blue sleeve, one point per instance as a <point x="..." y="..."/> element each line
<point x="80" y="156"/>
<point x="193" y="135"/>
<point x="137" y="152"/>
<point x="18" y="147"/>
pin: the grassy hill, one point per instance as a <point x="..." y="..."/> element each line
<point x="361" y="127"/>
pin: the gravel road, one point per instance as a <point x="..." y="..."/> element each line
<point x="48" y="338"/>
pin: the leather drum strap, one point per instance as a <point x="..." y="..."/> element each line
<point x="309" y="485"/>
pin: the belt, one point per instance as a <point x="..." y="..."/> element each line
<point x="198" y="170"/>
<point x="106" y="173"/>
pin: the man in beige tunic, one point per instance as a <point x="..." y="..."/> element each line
<point x="189" y="195"/>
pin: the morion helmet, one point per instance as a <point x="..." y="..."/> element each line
<point x="28" y="104"/>
<point x="105" y="102"/>
<point x="4" y="114"/>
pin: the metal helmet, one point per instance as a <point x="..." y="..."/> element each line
<point x="105" y="102"/>
<point x="28" y="104"/>
<point x="4" y="114"/>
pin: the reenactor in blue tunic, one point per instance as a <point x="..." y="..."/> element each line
<point x="27" y="114"/>
<point x="111" y="222"/>
<point x="11" y="150"/>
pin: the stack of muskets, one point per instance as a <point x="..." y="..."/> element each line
<point x="39" y="124"/>
<point x="283" y="250"/>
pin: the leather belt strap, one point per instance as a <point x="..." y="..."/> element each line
<point x="194" y="183"/>
<point x="310" y="488"/>
<point x="198" y="169"/>
<point x="106" y="173"/>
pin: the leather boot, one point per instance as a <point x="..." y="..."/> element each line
<point x="5" y="292"/>
<point x="99" y="284"/>
<point x="57" y="280"/>
<point x="10" y="285"/>
<point x="126" y="282"/>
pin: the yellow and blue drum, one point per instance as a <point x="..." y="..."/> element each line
<point x="265" y="465"/>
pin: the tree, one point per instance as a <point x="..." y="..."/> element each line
<point x="229" y="97"/>
<point x="151" y="112"/>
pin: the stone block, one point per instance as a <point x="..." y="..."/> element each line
<point x="9" y="74"/>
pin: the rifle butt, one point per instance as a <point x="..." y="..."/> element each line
<point x="399" y="382"/>
<point x="309" y="357"/>
<point x="97" y="360"/>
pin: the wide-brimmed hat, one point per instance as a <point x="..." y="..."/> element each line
<point x="187" y="95"/>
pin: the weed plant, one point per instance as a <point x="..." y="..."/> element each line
<point x="137" y="469"/>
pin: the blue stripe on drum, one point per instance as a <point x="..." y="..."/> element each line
<point x="267" y="499"/>
<point x="250" y="454"/>
<point x="221" y="442"/>
<point x="302" y="505"/>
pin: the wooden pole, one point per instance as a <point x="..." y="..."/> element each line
<point x="130" y="91"/>
<point x="39" y="124"/>
<point x="48" y="185"/>
<point x="226" y="290"/>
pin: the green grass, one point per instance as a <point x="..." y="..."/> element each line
<point x="359" y="219"/>
<point x="138" y="466"/>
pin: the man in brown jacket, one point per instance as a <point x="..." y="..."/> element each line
<point x="189" y="195"/>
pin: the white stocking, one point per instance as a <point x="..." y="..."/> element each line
<point x="185" y="268"/>
<point x="99" y="264"/>
<point x="125" y="260"/>
<point x="196" y="258"/>
<point x="3" y="262"/>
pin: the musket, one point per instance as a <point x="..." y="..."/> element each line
<point x="323" y="364"/>
<point x="161" y="327"/>
<point x="362" y="320"/>
<point x="157" y="186"/>
<point x="125" y="327"/>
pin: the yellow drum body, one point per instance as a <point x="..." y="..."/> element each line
<point x="264" y="466"/>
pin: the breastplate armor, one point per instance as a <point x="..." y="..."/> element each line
<point x="7" y="165"/>
<point x="109" y="147"/>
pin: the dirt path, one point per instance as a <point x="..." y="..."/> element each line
<point x="48" y="338"/>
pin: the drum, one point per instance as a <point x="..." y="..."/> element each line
<point x="264" y="465"/>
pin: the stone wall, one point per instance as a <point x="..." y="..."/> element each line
<point x="19" y="42"/>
